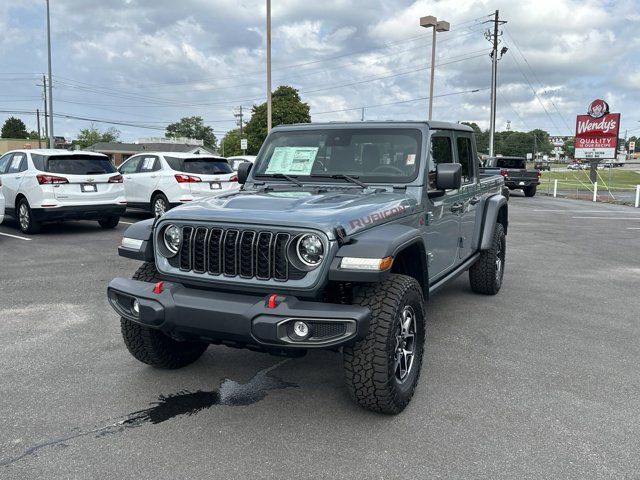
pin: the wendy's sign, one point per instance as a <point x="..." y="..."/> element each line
<point x="597" y="132"/>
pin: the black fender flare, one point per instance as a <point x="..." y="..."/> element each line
<point x="142" y="231"/>
<point x="378" y="242"/>
<point x="496" y="209"/>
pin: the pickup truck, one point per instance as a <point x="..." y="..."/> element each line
<point x="515" y="173"/>
<point x="339" y="235"/>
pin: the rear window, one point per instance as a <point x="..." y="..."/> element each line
<point x="203" y="166"/>
<point x="78" y="165"/>
<point x="510" y="163"/>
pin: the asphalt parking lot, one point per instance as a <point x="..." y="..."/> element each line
<point x="540" y="381"/>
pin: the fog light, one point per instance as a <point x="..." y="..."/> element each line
<point x="135" y="306"/>
<point x="301" y="329"/>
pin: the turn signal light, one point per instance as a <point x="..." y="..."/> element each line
<point x="355" y="263"/>
<point x="50" y="179"/>
<point x="182" y="178"/>
<point x="115" y="179"/>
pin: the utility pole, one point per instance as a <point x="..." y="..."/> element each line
<point x="238" y="114"/>
<point x="362" y="116"/>
<point x="46" y="118"/>
<point x="268" y="66"/>
<point x="52" y="141"/>
<point x="494" y="38"/>
<point x="38" y="123"/>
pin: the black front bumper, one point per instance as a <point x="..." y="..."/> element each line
<point x="80" y="212"/>
<point x="242" y="320"/>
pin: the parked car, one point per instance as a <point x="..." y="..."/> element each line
<point x="515" y="173"/>
<point x="239" y="159"/>
<point x="45" y="185"/>
<point x="159" y="181"/>
<point x="341" y="233"/>
<point x="573" y="166"/>
<point x="2" y="202"/>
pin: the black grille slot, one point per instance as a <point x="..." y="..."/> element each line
<point x="263" y="255"/>
<point x="230" y="256"/>
<point x="215" y="240"/>
<point x="246" y="253"/>
<point x="236" y="252"/>
<point x="327" y="329"/>
<point x="280" y="262"/>
<point x="185" y="250"/>
<point x="199" y="250"/>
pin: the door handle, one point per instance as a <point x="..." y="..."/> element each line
<point x="128" y="178"/>
<point x="474" y="200"/>
<point x="457" y="207"/>
<point x="153" y="176"/>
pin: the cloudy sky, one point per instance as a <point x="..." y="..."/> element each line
<point x="142" y="64"/>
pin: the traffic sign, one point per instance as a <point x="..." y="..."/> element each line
<point x="243" y="144"/>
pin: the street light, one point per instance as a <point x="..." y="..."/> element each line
<point x="438" y="26"/>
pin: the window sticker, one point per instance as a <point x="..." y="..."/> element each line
<point x="15" y="162"/>
<point x="292" y="160"/>
<point x="148" y="163"/>
<point x="411" y="159"/>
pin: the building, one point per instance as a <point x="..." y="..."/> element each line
<point x="118" y="152"/>
<point x="8" y="144"/>
<point x="558" y="146"/>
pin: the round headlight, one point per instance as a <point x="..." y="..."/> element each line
<point x="310" y="249"/>
<point x="172" y="236"/>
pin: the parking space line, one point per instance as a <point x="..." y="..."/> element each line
<point x="15" y="236"/>
<point x="633" y="228"/>
<point x="609" y="218"/>
<point x="127" y="223"/>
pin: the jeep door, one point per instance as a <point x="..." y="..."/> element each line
<point x="470" y="194"/>
<point x="443" y="223"/>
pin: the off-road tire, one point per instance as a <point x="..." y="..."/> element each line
<point x="31" y="226"/>
<point x="530" y="191"/>
<point x="369" y="364"/>
<point x="109" y="222"/>
<point x="485" y="275"/>
<point x="153" y="347"/>
<point x="159" y="197"/>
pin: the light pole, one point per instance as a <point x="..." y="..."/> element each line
<point x="438" y="26"/>
<point x="52" y="142"/>
<point x="268" y="66"/>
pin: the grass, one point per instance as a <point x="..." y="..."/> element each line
<point x="616" y="178"/>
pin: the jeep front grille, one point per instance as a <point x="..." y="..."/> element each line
<point x="233" y="252"/>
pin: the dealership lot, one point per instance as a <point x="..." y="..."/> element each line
<point x="540" y="381"/>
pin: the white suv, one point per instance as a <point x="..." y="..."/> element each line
<point x="50" y="185"/>
<point x="161" y="180"/>
<point x="1" y="202"/>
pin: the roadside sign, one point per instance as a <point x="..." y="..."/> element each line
<point x="243" y="144"/>
<point x="529" y="156"/>
<point x="597" y="132"/>
<point x="632" y="147"/>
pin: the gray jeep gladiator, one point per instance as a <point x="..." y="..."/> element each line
<point x="339" y="235"/>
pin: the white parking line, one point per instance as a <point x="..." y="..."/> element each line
<point x="584" y="211"/>
<point x="127" y="223"/>
<point x="610" y="218"/>
<point x="16" y="236"/>
<point x="633" y="228"/>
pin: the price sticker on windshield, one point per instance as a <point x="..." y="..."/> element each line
<point x="292" y="160"/>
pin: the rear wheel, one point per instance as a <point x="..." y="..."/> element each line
<point x="486" y="274"/>
<point x="153" y="347"/>
<point x="109" y="222"/>
<point x="26" y="221"/>
<point x="382" y="370"/>
<point x="530" y="191"/>
<point x="159" y="205"/>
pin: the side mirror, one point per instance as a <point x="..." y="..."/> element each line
<point x="448" y="176"/>
<point x="243" y="172"/>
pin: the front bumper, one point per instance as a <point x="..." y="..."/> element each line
<point x="79" y="212"/>
<point x="238" y="319"/>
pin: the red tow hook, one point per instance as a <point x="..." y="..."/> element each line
<point x="272" y="301"/>
<point x="158" y="287"/>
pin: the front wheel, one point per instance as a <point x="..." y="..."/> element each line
<point x="486" y="274"/>
<point x="109" y="222"/>
<point x="150" y="345"/>
<point x="382" y="370"/>
<point x="159" y="205"/>
<point x="26" y="221"/>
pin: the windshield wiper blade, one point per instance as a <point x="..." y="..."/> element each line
<point x="341" y="176"/>
<point x="281" y="175"/>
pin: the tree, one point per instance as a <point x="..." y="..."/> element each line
<point x="90" y="136"/>
<point x="33" y="135"/>
<point x="193" y="127"/>
<point x="569" y="147"/>
<point x="14" y="128"/>
<point x="482" y="138"/>
<point x="542" y="142"/>
<point x="287" y="108"/>
<point x="230" y="143"/>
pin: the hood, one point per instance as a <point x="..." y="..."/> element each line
<point x="353" y="210"/>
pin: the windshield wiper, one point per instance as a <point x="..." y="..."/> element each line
<point x="341" y="176"/>
<point x="280" y="175"/>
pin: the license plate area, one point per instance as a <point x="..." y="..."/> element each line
<point x="88" y="187"/>
<point x="215" y="185"/>
<point x="521" y="183"/>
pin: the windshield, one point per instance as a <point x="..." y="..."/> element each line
<point x="76" y="165"/>
<point x="203" y="166"/>
<point x="389" y="155"/>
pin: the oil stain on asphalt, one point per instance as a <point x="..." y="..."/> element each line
<point x="229" y="393"/>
